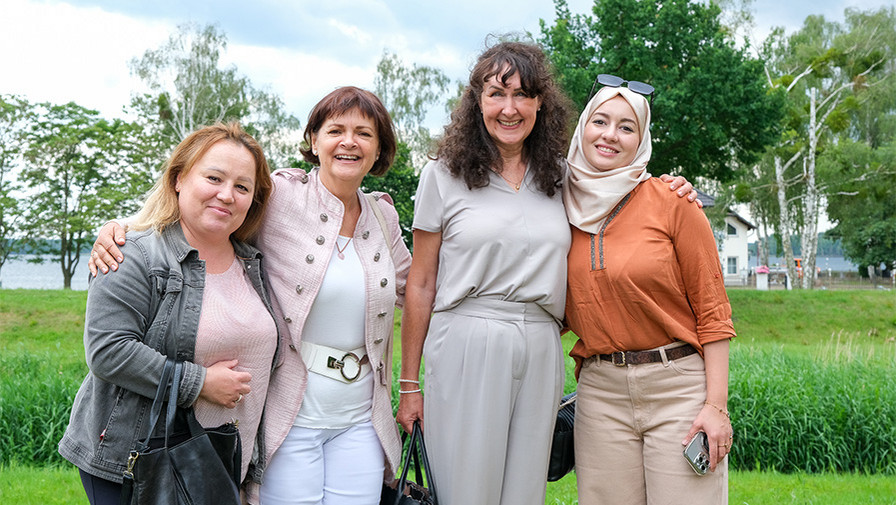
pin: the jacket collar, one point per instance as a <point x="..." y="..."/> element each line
<point x="176" y="241"/>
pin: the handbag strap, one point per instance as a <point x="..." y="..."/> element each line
<point x="378" y="212"/>
<point x="172" y="400"/>
<point x="429" y="476"/>
<point x="416" y="441"/>
<point x="156" y="410"/>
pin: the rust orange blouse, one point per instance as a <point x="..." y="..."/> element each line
<point x="651" y="277"/>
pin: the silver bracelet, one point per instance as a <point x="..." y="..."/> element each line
<point x="408" y="381"/>
<point x="409" y="391"/>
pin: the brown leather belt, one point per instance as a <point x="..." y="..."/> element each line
<point x="622" y="358"/>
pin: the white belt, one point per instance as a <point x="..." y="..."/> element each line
<point x="344" y="366"/>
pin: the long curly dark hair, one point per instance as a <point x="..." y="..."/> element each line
<point x="467" y="148"/>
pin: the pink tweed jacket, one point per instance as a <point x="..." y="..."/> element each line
<point x="297" y="237"/>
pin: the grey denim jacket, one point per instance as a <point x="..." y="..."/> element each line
<point x="147" y="310"/>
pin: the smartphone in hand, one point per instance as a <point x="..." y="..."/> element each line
<point x="697" y="453"/>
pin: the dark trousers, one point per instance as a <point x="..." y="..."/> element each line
<point x="100" y="491"/>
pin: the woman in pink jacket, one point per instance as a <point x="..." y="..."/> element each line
<point x="337" y="268"/>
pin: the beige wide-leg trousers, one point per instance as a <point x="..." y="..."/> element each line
<point x="630" y="421"/>
<point x="493" y="381"/>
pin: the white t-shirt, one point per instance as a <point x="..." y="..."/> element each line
<point x="336" y="320"/>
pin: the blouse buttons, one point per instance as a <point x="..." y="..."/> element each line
<point x="376" y="257"/>
<point x="292" y="346"/>
<point x="299" y="289"/>
<point x="365" y="234"/>
<point x="381" y="314"/>
<point x="287" y="319"/>
<point x="324" y="217"/>
<point x="320" y="240"/>
<point x="383" y="282"/>
<point x="304" y="178"/>
<point x="378" y="341"/>
<point x="309" y="259"/>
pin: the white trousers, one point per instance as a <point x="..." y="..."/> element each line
<point x="494" y="377"/>
<point x="326" y="467"/>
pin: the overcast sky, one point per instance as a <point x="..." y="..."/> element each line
<point x="79" y="50"/>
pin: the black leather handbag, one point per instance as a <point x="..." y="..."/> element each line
<point x="563" y="456"/>
<point x="402" y="492"/>
<point x="185" y="464"/>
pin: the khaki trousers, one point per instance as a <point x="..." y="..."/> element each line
<point x="630" y="421"/>
<point x="494" y="377"/>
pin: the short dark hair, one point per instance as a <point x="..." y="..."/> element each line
<point x="468" y="149"/>
<point x="342" y="100"/>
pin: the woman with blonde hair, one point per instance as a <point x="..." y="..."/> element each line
<point x="193" y="290"/>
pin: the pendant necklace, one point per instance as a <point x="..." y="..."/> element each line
<point x="340" y="250"/>
<point x="514" y="185"/>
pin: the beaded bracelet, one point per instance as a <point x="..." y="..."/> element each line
<point x="401" y="392"/>
<point x="408" y="381"/>
<point x="723" y="411"/>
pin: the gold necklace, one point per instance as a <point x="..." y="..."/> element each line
<point x="514" y="185"/>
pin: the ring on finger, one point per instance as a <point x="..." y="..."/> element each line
<point x="239" y="398"/>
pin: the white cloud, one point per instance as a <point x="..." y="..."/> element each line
<point x="61" y="53"/>
<point x="76" y="51"/>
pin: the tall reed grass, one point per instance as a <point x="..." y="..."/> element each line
<point x="834" y="411"/>
<point x="36" y="395"/>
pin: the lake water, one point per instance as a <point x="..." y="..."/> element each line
<point x="19" y="273"/>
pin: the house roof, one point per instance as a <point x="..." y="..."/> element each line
<point x="706" y="199"/>
<point x="735" y="215"/>
<point x="710" y="201"/>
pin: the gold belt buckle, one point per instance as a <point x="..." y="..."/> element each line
<point x="339" y="364"/>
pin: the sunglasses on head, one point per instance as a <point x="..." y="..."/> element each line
<point x="641" y="88"/>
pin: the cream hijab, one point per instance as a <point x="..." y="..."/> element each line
<point x="591" y="194"/>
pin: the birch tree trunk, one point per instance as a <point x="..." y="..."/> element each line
<point x="809" y="232"/>
<point x="785" y="222"/>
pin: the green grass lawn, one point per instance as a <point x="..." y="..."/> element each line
<point x="42" y="330"/>
<point x="62" y="486"/>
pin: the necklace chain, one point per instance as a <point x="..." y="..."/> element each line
<point x="341" y="250"/>
<point x="514" y="185"/>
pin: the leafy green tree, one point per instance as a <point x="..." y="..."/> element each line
<point x="712" y="110"/>
<point x="827" y="71"/>
<point x="14" y="118"/>
<point x="188" y="89"/>
<point x="863" y="205"/>
<point x="69" y="180"/>
<point x="409" y="93"/>
<point x="401" y="184"/>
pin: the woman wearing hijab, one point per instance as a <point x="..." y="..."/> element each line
<point x="647" y="301"/>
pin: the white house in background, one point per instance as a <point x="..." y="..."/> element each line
<point x="732" y="243"/>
